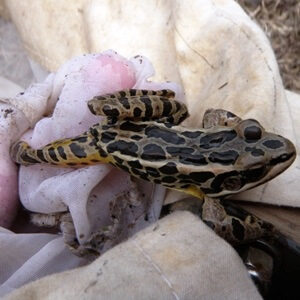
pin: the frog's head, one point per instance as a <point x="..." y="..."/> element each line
<point x="260" y="156"/>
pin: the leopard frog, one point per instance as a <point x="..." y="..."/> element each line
<point x="143" y="136"/>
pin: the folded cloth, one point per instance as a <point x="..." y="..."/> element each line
<point x="176" y="258"/>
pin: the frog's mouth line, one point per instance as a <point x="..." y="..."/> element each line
<point x="273" y="169"/>
<point x="277" y="166"/>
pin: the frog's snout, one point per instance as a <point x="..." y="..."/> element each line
<point x="283" y="151"/>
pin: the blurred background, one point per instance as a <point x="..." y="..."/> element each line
<point x="280" y="20"/>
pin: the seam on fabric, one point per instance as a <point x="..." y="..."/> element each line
<point x="158" y="270"/>
<point x="193" y="50"/>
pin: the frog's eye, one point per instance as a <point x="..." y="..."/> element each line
<point x="232" y="183"/>
<point x="252" y="133"/>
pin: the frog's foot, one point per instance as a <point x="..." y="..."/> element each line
<point x="108" y="236"/>
<point x="219" y="117"/>
<point x="234" y="229"/>
<point x="140" y="104"/>
<point x="234" y="226"/>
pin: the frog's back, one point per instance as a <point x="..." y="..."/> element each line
<point x="172" y="155"/>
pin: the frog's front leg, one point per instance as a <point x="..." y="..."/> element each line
<point x="160" y="105"/>
<point x="75" y="152"/>
<point x="219" y="117"/>
<point x="235" y="227"/>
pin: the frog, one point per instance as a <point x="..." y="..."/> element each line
<point x="142" y="134"/>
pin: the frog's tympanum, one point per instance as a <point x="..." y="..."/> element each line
<point x="142" y="135"/>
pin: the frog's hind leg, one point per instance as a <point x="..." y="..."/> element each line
<point x="140" y="104"/>
<point x="219" y="117"/>
<point x="74" y="152"/>
<point x="233" y="225"/>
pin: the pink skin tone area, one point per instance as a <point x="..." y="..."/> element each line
<point x="119" y="74"/>
<point x="62" y="98"/>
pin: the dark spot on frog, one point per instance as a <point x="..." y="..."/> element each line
<point x="135" y="164"/>
<point x="124" y="168"/>
<point x="196" y="160"/>
<point x="81" y="236"/>
<point x="81" y="139"/>
<point x="153" y="152"/>
<point x="273" y="144"/>
<point x="148" y="106"/>
<point x="217" y="182"/>
<point x="167" y="106"/>
<point x="180" y="151"/>
<point x="200" y="177"/>
<point x="107" y="136"/>
<point x="126" y="148"/>
<point x="224" y="158"/>
<point x="280" y="159"/>
<point x="52" y="154"/>
<point x="132" y="92"/>
<point x="40" y="155"/>
<point x="76" y="150"/>
<point x="255" y="173"/>
<point x="124" y="101"/>
<point x="169" y="179"/>
<point x="217" y="139"/>
<point x="110" y="112"/>
<point x="137" y="112"/>
<point x="118" y="159"/>
<point x="129" y="126"/>
<point x="191" y="134"/>
<point x="254" y="151"/>
<point x="152" y="172"/>
<point x="169" y="168"/>
<point x="136" y="137"/>
<point x="238" y="230"/>
<point x="165" y="135"/>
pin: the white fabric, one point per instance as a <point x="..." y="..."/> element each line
<point x="26" y="257"/>
<point x="177" y="258"/>
<point x="8" y="172"/>
<point x="86" y="192"/>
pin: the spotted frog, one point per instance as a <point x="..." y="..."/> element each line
<point x="142" y="135"/>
